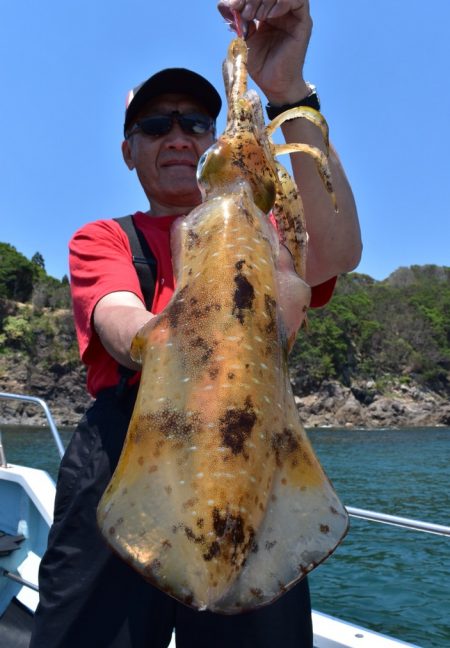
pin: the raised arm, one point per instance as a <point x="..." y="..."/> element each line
<point x="278" y="37"/>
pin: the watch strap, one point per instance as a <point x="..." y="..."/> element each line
<point x="310" y="101"/>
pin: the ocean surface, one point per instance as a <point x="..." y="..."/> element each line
<point x="388" y="579"/>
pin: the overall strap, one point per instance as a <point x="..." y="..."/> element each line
<point x="145" y="265"/>
<point x="143" y="258"/>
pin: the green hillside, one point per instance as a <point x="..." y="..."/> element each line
<point x="395" y="331"/>
<point x="35" y="318"/>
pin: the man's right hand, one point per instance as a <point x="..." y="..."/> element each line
<point x="117" y="318"/>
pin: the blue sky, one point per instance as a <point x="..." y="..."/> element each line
<point x="381" y="69"/>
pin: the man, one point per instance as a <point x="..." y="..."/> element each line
<point x="89" y="597"/>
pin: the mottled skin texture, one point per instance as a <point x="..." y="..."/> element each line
<point x="218" y="498"/>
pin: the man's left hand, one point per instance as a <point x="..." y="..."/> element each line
<point x="277" y="37"/>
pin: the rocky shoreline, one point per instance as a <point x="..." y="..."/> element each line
<point x="360" y="406"/>
<point x="61" y="386"/>
<point x="395" y="331"/>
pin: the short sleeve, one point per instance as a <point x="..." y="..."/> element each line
<point x="100" y="262"/>
<point x="322" y="293"/>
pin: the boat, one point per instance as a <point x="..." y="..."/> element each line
<point x="26" y="512"/>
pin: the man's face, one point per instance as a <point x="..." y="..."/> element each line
<point x="166" y="165"/>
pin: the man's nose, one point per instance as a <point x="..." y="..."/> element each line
<point x="177" y="138"/>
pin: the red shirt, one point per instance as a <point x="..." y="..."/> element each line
<point x="101" y="262"/>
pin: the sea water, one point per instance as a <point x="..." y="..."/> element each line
<point x="388" y="579"/>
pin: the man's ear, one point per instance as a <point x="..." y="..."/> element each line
<point x="127" y="156"/>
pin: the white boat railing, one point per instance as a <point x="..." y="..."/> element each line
<point x="395" y="520"/>
<point x="18" y="579"/>
<point x="363" y="514"/>
<point x="43" y="404"/>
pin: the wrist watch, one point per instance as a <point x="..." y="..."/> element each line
<point x="310" y="101"/>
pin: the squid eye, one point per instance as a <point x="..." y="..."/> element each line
<point x="202" y="160"/>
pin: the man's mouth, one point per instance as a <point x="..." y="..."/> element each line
<point x="187" y="163"/>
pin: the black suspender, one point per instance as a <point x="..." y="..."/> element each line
<point x="143" y="258"/>
<point x="144" y="262"/>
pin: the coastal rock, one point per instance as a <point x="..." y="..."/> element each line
<point x="444" y="415"/>
<point x="360" y="405"/>
<point x="363" y="406"/>
<point x="62" y="387"/>
<point x="351" y="413"/>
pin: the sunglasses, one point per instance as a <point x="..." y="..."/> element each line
<point x="158" y="125"/>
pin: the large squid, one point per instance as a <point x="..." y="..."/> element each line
<point x="218" y="498"/>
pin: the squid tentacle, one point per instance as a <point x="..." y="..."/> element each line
<point x="321" y="163"/>
<point x="313" y="116"/>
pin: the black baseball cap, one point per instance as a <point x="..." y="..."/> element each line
<point x="172" y="80"/>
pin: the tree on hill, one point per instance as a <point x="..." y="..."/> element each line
<point x="374" y="330"/>
<point x="38" y="260"/>
<point x="17" y="274"/>
<point x="22" y="280"/>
